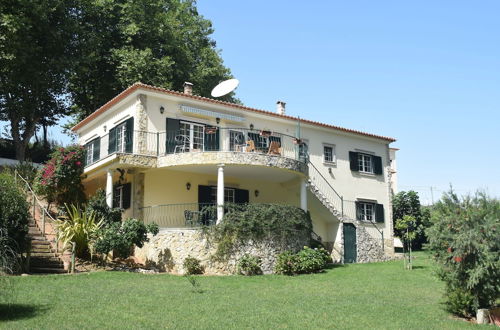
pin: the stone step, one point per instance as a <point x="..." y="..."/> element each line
<point x="46" y="262"/>
<point x="43" y="254"/>
<point x="43" y="249"/>
<point x="39" y="242"/>
<point x="37" y="237"/>
<point x="47" y="270"/>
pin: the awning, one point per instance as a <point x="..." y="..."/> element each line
<point x="213" y="114"/>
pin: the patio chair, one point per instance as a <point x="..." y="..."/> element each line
<point x="191" y="218"/>
<point x="250" y="146"/>
<point x="181" y="144"/>
<point x="274" y="148"/>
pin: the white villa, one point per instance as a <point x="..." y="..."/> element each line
<point x="162" y="155"/>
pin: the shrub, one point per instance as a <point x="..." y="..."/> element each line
<point x="60" y="178"/>
<point x="249" y="265"/>
<point x="286" y="263"/>
<point x="192" y="266"/>
<point x="464" y="241"/>
<point x="120" y="237"/>
<point x="97" y="204"/>
<point x="14" y="214"/>
<point x="78" y="227"/>
<point x="305" y="261"/>
<point x="25" y="169"/>
<point x="407" y="203"/>
<point x="244" y="222"/>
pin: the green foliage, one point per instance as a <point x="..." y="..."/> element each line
<point x="464" y="241"/>
<point x="97" y="204"/>
<point x="303" y="262"/>
<point x="158" y="42"/>
<point x="25" y="169"/>
<point x="60" y="179"/>
<point x="35" y="56"/>
<point x="78" y="227"/>
<point x="255" y="222"/>
<point x="408" y="203"/>
<point x="192" y="266"/>
<point x="120" y="237"/>
<point x="14" y="214"/>
<point x="249" y="265"/>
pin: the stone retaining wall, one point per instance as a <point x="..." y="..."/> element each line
<point x="168" y="250"/>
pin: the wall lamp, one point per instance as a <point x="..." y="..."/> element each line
<point x="251" y="127"/>
<point x="162" y="109"/>
<point x="188" y="186"/>
<point x="217" y="120"/>
<point x="257" y="193"/>
<point x="105" y="128"/>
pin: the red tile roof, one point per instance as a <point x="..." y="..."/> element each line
<point x="138" y="85"/>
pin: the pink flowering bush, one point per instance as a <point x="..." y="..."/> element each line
<point x="60" y="179"/>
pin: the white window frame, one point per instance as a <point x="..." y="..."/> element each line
<point x="231" y="142"/>
<point x="120" y="137"/>
<point x="334" y="156"/>
<point x="229" y="195"/>
<point x="190" y="135"/>
<point x="119" y="192"/>
<point x="366" y="214"/>
<point x="365" y="166"/>
<point x="89" y="148"/>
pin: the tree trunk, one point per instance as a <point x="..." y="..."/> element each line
<point x="21" y="140"/>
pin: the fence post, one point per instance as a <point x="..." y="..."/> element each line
<point x="342" y="205"/>
<point x="73" y="257"/>
<point x="157" y="144"/>
<point x="34" y="207"/>
<point x="43" y="222"/>
<point x="15" y="177"/>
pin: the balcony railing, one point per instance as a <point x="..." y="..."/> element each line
<point x="204" y="139"/>
<point x="181" y="215"/>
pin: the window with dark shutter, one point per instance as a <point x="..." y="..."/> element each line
<point x="126" y="195"/>
<point x="173" y="127"/>
<point x="211" y="138"/>
<point x="129" y="135"/>
<point x="112" y="140"/>
<point x="377" y="165"/>
<point x="379" y="213"/>
<point x="241" y="196"/>
<point x="353" y="161"/>
<point x="97" y="150"/>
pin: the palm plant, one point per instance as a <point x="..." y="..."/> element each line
<point x="78" y="227"/>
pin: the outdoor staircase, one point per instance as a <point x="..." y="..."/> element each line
<point x="43" y="259"/>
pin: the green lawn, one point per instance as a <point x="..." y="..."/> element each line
<point x="380" y="295"/>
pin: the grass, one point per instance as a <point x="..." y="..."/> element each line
<point x="376" y="296"/>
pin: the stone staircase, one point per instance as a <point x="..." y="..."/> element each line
<point x="43" y="259"/>
<point x="325" y="201"/>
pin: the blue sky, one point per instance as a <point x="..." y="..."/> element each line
<point x="426" y="73"/>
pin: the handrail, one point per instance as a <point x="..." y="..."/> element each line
<point x="35" y="196"/>
<point x="311" y="165"/>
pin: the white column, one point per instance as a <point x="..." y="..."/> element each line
<point x="109" y="188"/>
<point x="303" y="195"/>
<point x="220" y="193"/>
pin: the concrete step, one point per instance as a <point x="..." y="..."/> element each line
<point x="39" y="242"/>
<point x="41" y="250"/>
<point x="37" y="237"/>
<point x="46" y="262"/>
<point x="47" y="270"/>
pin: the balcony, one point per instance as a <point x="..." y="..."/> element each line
<point x="197" y="144"/>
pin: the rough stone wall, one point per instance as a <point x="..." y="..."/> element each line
<point x="243" y="158"/>
<point x="142" y="123"/>
<point x="140" y="161"/>
<point x="168" y="250"/>
<point x="138" y="195"/>
<point x="368" y="248"/>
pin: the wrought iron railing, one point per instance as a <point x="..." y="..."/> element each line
<point x="206" y="139"/>
<point x="180" y="215"/>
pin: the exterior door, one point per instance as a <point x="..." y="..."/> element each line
<point x="350" y="253"/>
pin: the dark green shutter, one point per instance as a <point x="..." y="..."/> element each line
<point x="126" y="195"/>
<point x="205" y="194"/>
<point x="379" y="213"/>
<point x="112" y="141"/>
<point x="97" y="150"/>
<point x="241" y="196"/>
<point x="377" y="165"/>
<point x="173" y="127"/>
<point x="129" y="135"/>
<point x="211" y="139"/>
<point x="353" y="159"/>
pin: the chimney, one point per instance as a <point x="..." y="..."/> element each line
<point x="280" y="107"/>
<point x="188" y="88"/>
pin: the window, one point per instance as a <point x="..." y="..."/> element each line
<point x="92" y="151"/>
<point x="328" y="153"/>
<point x="304" y="151"/>
<point x="121" y="137"/>
<point x="365" y="163"/>
<point x="365" y="211"/>
<point x="229" y="195"/>
<point x="370" y="211"/>
<point x="122" y="196"/>
<point x="236" y="141"/>
<point x="194" y="135"/>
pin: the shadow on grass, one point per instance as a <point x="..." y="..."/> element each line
<point x="333" y="266"/>
<point x="420" y="267"/>
<point x="20" y="311"/>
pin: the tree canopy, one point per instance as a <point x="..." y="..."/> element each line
<point x="59" y="57"/>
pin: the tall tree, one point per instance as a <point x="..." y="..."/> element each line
<point x="35" y="38"/>
<point x="158" y="42"/>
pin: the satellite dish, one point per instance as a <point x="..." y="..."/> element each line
<point x="225" y="87"/>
